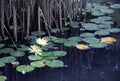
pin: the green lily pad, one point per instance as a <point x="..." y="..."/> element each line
<point x="6" y="50"/>
<point x="75" y="39"/>
<point x="104" y="26"/>
<point x="87" y="34"/>
<point x="108" y="22"/>
<point x="60" y="40"/>
<point x="17" y="53"/>
<point x="97" y="21"/>
<point x="37" y="64"/>
<point x="25" y="68"/>
<point x="107" y="11"/>
<point x="97" y="13"/>
<point x="55" y="30"/>
<point x="70" y="43"/>
<point x="90" y="26"/>
<point x="50" y="38"/>
<point x="114" y="30"/>
<point x="35" y="33"/>
<point x="2" y="64"/>
<point x="102" y="32"/>
<point x="47" y="54"/>
<point x="59" y="53"/>
<point x="7" y="59"/>
<point x="98" y="45"/>
<point x="105" y="18"/>
<point x="4" y="38"/>
<point x="31" y="37"/>
<point x="46" y="47"/>
<point x="34" y="57"/>
<point x="115" y="6"/>
<point x="3" y="78"/>
<point x="75" y="24"/>
<point x="2" y="45"/>
<point x="23" y="48"/>
<point x="55" y="63"/>
<point x="91" y="40"/>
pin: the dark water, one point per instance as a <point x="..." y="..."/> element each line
<point x="89" y="65"/>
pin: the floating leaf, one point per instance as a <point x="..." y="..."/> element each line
<point x="104" y="18"/>
<point x="34" y="57"/>
<point x="7" y="59"/>
<point x="38" y="64"/>
<point x="6" y="50"/>
<point x="104" y="26"/>
<point x="75" y="39"/>
<point x="91" y="40"/>
<point x="97" y="13"/>
<point x="55" y="63"/>
<point x="30" y="37"/>
<point x="114" y="30"/>
<point x="35" y="33"/>
<point x="55" y="30"/>
<point x="46" y="47"/>
<point x="4" y="38"/>
<point x="3" y="78"/>
<point x="25" y="68"/>
<point x="23" y="48"/>
<point x="82" y="46"/>
<point x="87" y="34"/>
<point x="50" y="38"/>
<point x="98" y="45"/>
<point x="116" y="6"/>
<point x="70" y="43"/>
<point x="108" y="40"/>
<point x="59" y="53"/>
<point x="2" y="64"/>
<point x="107" y="11"/>
<point x="102" y="32"/>
<point x="60" y="40"/>
<point x="75" y="24"/>
<point x="17" y="53"/>
<point x="90" y="26"/>
<point x="2" y="45"/>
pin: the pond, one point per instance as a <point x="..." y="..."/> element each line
<point x="94" y="64"/>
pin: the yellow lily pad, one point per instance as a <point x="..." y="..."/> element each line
<point x="82" y="46"/>
<point x="108" y="40"/>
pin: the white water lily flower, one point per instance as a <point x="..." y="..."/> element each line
<point x="23" y="72"/>
<point x="35" y="49"/>
<point x="42" y="41"/>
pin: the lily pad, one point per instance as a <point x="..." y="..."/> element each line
<point x="70" y="43"/>
<point x="75" y="24"/>
<point x="107" y="11"/>
<point x="2" y="45"/>
<point x="114" y="30"/>
<point x="55" y="63"/>
<point x="35" y="33"/>
<point x="60" y="40"/>
<point x="23" y="48"/>
<point x="50" y="38"/>
<point x="3" y="78"/>
<point x="102" y="32"/>
<point x="31" y="37"/>
<point x="115" y="6"/>
<point x="25" y="68"/>
<point x="34" y="57"/>
<point x="7" y="59"/>
<point x="87" y="34"/>
<point x="2" y="64"/>
<point x="104" y="26"/>
<point x="97" y="13"/>
<point x="75" y="39"/>
<point x="55" y="30"/>
<point x="91" y="40"/>
<point x="38" y="64"/>
<point x="17" y="53"/>
<point x="98" y="45"/>
<point x="90" y="26"/>
<point x="59" y="53"/>
<point x="6" y="50"/>
<point x="4" y="38"/>
<point x="105" y="18"/>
